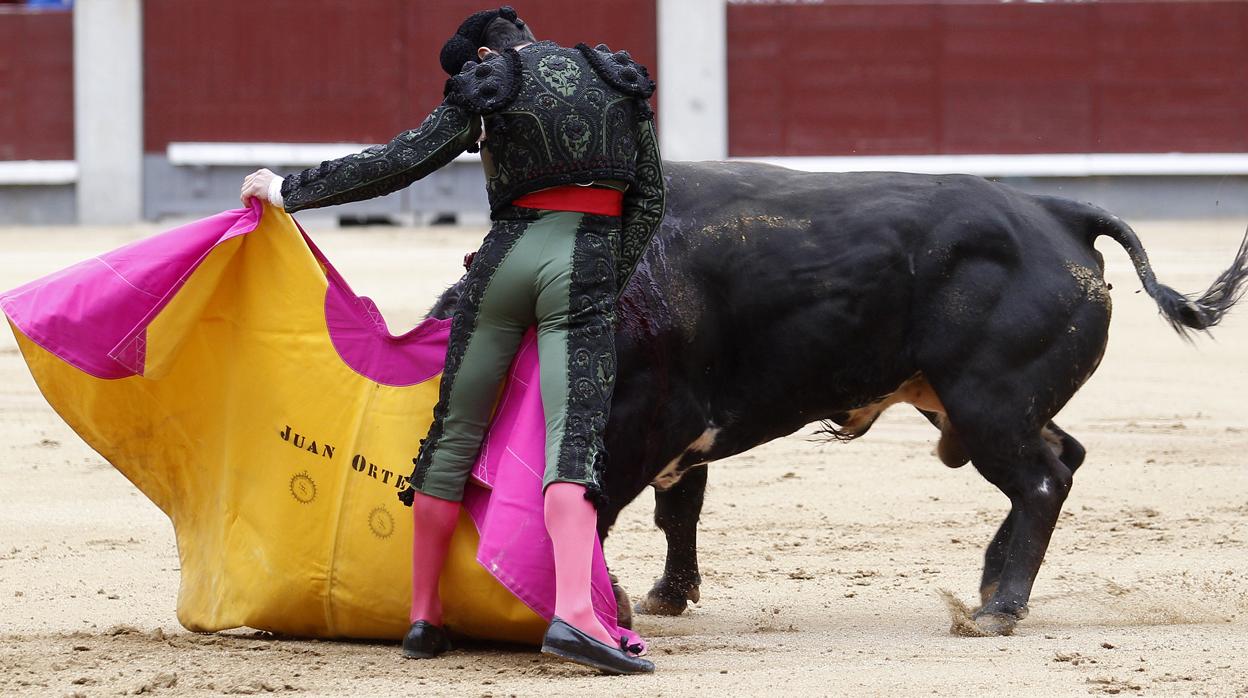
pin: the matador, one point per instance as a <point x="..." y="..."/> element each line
<point x="576" y="190"/>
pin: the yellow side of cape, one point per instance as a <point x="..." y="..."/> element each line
<point x="277" y="464"/>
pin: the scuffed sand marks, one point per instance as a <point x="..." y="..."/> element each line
<point x="961" y="616"/>
<point x="129" y="660"/>
<point x="1144" y="605"/>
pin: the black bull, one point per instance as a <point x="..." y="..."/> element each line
<point x="771" y="299"/>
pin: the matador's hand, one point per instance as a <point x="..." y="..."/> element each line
<point x="264" y="185"/>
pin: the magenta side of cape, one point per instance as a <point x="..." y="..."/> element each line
<point x="94" y="314"/>
<point x="363" y="341"/>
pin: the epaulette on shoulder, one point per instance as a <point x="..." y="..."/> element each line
<point x="619" y="70"/>
<point x="486" y="87"/>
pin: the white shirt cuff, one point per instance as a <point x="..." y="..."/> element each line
<point x="275" y="192"/>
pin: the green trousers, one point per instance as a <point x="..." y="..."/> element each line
<point x="555" y="270"/>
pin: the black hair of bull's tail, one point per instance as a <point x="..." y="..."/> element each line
<point x="1184" y="313"/>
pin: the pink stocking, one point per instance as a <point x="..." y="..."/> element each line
<point x="573" y="527"/>
<point x="434" y="521"/>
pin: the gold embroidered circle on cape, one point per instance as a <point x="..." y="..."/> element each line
<point x="381" y="522"/>
<point x="302" y="488"/>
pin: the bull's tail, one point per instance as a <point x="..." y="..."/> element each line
<point x="1184" y="313"/>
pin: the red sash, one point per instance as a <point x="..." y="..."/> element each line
<point x="602" y="201"/>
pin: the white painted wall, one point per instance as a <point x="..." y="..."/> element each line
<point x="108" y="110"/>
<point x="693" y="79"/>
<point x="37" y="172"/>
<point x="1042" y="165"/>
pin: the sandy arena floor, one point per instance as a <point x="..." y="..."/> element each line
<point x="821" y="562"/>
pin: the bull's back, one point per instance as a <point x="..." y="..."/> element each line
<point x="747" y="240"/>
<point x="838" y="222"/>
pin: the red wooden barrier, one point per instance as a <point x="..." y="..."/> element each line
<point x="838" y="79"/>
<point x="36" y="85"/>
<point x="329" y="70"/>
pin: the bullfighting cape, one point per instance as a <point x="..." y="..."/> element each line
<point x="230" y="373"/>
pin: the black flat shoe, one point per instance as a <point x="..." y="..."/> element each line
<point x="566" y="642"/>
<point x="425" y="640"/>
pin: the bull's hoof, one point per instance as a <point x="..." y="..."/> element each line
<point x="995" y="623"/>
<point x="655" y="606"/>
<point x="623" y="605"/>
<point x="661" y="603"/>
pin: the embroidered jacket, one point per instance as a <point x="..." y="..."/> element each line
<point x="552" y="116"/>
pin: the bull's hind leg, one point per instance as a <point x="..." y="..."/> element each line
<point x="994" y="559"/>
<point x="1037" y="482"/>
<point x="1011" y="444"/>
<point x="1006" y="334"/>
<point x="1071" y="453"/>
<point x="676" y="512"/>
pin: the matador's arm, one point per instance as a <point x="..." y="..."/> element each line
<point x="386" y="168"/>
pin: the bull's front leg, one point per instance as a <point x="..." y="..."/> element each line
<point x="676" y="513"/>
